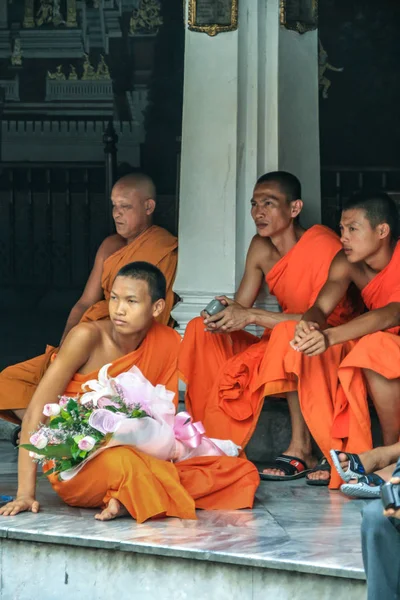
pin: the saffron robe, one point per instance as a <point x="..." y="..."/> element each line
<point x="331" y="386"/>
<point x="146" y="486"/>
<point x="155" y="245"/>
<point x="221" y="371"/>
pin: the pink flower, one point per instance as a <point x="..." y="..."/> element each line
<point x="87" y="443"/>
<point x="63" y="401"/>
<point x="39" y="440"/>
<point x="51" y="410"/>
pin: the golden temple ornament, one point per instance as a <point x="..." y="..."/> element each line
<point x="213" y="16"/>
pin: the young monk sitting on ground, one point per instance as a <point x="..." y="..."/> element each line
<point x="133" y="200"/>
<point x="336" y="366"/>
<point x="122" y="479"/>
<point x="219" y="360"/>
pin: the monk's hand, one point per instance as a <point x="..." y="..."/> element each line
<point x="233" y="318"/>
<point x="316" y="342"/>
<point x="302" y="330"/>
<point x="20" y="504"/>
<point x="393" y="512"/>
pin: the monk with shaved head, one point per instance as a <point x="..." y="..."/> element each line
<point x="133" y="200"/>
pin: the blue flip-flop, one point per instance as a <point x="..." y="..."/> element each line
<point x="355" y="469"/>
<point x="363" y="488"/>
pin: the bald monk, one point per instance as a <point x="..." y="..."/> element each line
<point x="338" y="366"/>
<point x="133" y="200"/>
<point x="121" y="480"/>
<point x="220" y="365"/>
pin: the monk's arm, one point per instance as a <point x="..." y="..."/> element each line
<point x="93" y="291"/>
<point x="339" y="279"/>
<point x="73" y="354"/>
<point x="240" y="312"/>
<point x="370" y="322"/>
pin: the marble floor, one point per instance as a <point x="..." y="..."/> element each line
<point x="292" y="527"/>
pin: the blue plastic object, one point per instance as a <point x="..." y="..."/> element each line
<point x="5" y="499"/>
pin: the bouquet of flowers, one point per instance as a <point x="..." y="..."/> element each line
<point x="124" y="410"/>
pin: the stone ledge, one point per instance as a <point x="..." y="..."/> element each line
<point x="102" y="574"/>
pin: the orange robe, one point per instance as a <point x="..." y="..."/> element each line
<point x="222" y="371"/>
<point x="331" y="386"/>
<point x="155" y="245"/>
<point x="146" y="486"/>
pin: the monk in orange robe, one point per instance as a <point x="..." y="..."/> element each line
<point x="337" y="366"/>
<point x="123" y="480"/>
<point x="220" y="365"/>
<point x="133" y="201"/>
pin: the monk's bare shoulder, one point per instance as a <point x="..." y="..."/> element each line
<point x="110" y="245"/>
<point x="86" y="334"/>
<point x="341" y="268"/>
<point x="262" y="253"/>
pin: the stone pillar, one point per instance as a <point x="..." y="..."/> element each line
<point x="232" y="116"/>
<point x="3" y="15"/>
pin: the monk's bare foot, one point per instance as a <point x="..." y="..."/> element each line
<point x="306" y="457"/>
<point x="113" y="510"/>
<point x="319" y="475"/>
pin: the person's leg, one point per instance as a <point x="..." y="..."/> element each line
<point x="381" y="553"/>
<point x="300" y="443"/>
<point x="385" y="394"/>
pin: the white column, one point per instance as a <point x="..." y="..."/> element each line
<point x="230" y="136"/>
<point x="298" y="116"/>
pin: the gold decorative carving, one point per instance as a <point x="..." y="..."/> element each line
<point x="71" y="13"/>
<point x="88" y="69"/>
<point x="324" y="65"/>
<point x="90" y="73"/>
<point x="44" y="15"/>
<point x="213" y="16"/>
<point x="146" y="18"/>
<point x="16" y="56"/>
<point x="73" y="76"/>
<point x="58" y="74"/>
<point x="299" y="15"/>
<point x="102" y="71"/>
<point x="29" y="14"/>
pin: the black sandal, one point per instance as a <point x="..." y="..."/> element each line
<point x="322" y="465"/>
<point x="293" y="467"/>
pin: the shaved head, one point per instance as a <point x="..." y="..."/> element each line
<point x="137" y="182"/>
<point x="133" y="199"/>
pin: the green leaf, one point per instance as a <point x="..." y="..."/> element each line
<point x="49" y="472"/>
<point x="65" y="465"/>
<point x="59" y="451"/>
<point x="72" y="406"/>
<point x="75" y="451"/>
<point x="30" y="448"/>
<point x="111" y="408"/>
<point x="54" y="423"/>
